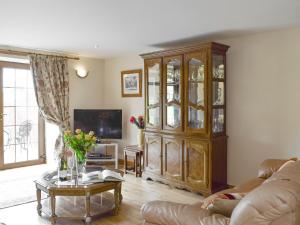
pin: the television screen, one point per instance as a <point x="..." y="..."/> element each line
<point x="107" y="124"/>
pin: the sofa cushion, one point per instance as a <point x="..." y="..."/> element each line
<point x="269" y="166"/>
<point x="271" y="201"/>
<point x="224" y="207"/>
<point x="243" y="188"/>
<point x="168" y="213"/>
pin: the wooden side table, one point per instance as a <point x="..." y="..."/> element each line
<point x="137" y="153"/>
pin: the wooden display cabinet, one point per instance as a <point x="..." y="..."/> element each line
<point x="185" y="111"/>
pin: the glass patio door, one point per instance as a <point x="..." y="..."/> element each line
<point x="21" y="125"/>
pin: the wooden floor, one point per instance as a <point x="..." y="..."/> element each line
<point x="135" y="192"/>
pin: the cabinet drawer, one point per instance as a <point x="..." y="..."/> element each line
<point x="197" y="163"/>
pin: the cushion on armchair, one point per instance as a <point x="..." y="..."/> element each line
<point x="269" y="166"/>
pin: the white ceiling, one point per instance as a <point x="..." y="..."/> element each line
<point x="122" y="27"/>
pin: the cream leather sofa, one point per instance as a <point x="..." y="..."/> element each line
<point x="273" y="198"/>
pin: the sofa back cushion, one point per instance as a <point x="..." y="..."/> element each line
<point x="269" y="166"/>
<point x="271" y="201"/>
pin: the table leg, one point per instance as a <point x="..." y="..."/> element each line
<point x="125" y="162"/>
<point x="136" y="165"/>
<point x="140" y="164"/>
<point x="117" y="195"/>
<point x="117" y="156"/>
<point x="53" y="215"/>
<point x="88" y="218"/>
<point x="39" y="206"/>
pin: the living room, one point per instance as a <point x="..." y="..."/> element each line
<point x="103" y="42"/>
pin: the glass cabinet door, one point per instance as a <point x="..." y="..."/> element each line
<point x="172" y="92"/>
<point x="153" y="85"/>
<point x="195" y="65"/>
<point x="218" y="93"/>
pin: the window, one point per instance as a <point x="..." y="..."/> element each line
<point x="23" y="127"/>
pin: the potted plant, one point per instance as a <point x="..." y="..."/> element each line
<point x="139" y="122"/>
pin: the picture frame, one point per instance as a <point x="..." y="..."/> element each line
<point x="131" y="83"/>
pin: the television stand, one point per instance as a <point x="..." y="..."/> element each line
<point x="115" y="159"/>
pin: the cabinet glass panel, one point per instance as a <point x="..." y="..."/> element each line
<point x="153" y="116"/>
<point x="196" y="93"/>
<point x="218" y="120"/>
<point x="218" y="93"/>
<point x="173" y="80"/>
<point x="173" y="116"/>
<point x="196" y="70"/>
<point x="196" y="118"/>
<point x="218" y="66"/>
<point x="153" y="84"/>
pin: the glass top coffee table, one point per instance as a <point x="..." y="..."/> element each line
<point x="53" y="187"/>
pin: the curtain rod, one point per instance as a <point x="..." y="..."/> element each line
<point x="26" y="53"/>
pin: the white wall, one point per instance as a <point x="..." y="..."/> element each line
<point x="263" y="95"/>
<point x="131" y="106"/>
<point x="86" y="93"/>
<point x="263" y="100"/>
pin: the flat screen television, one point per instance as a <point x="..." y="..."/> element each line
<point x="106" y="123"/>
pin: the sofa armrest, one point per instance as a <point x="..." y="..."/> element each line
<point x="269" y="166"/>
<point x="167" y="213"/>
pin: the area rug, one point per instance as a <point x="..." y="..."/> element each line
<point x="17" y="185"/>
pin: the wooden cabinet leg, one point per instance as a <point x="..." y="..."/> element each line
<point x="39" y="206"/>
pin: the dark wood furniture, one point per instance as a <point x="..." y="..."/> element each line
<point x="137" y="153"/>
<point x="185" y="115"/>
<point x="53" y="189"/>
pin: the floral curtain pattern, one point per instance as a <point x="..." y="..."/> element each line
<point x="51" y="84"/>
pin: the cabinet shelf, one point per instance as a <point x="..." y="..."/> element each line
<point x="196" y="81"/>
<point x="153" y="83"/>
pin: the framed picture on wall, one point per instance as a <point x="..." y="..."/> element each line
<point x="131" y="82"/>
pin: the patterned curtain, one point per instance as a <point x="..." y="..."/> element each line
<point x="51" y="84"/>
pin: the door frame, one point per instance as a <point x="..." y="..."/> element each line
<point x="41" y="125"/>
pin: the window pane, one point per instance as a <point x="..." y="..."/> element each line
<point x="21" y="78"/>
<point x="33" y="134"/>
<point x="9" y="116"/>
<point x="8" y="77"/>
<point x="33" y="115"/>
<point x="21" y="97"/>
<point x="9" y="154"/>
<point x="33" y="151"/>
<point x="9" y="135"/>
<point x="21" y="115"/>
<point x="30" y="80"/>
<point x="8" y="97"/>
<point x="21" y="152"/>
<point x="31" y="97"/>
<point x="22" y="134"/>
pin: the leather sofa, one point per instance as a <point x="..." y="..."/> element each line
<point x="272" y="198"/>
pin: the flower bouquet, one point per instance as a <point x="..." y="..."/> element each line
<point x="140" y="123"/>
<point x="80" y="142"/>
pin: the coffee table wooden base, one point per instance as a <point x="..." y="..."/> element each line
<point x="86" y="191"/>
